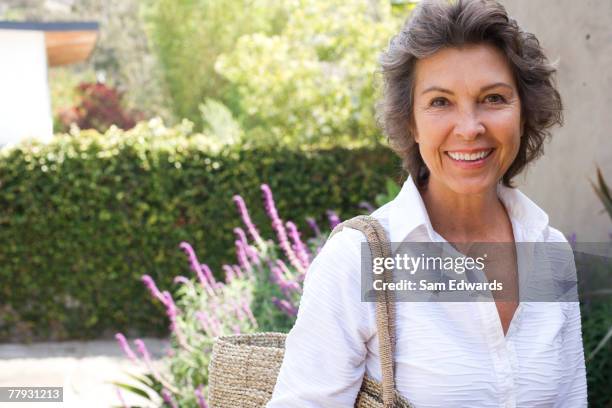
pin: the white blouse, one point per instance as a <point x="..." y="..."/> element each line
<point x="447" y="354"/>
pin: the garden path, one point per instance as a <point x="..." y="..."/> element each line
<point x="83" y="368"/>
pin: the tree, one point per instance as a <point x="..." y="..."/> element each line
<point x="315" y="81"/>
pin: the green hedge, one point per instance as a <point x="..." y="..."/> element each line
<point x="596" y="321"/>
<point x="81" y="219"/>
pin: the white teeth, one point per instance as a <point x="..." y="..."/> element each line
<point x="469" y="157"/>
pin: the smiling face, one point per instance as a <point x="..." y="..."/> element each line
<point x="467" y="117"/>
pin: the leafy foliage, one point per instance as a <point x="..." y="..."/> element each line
<point x="219" y="123"/>
<point x="99" y="108"/>
<point x="82" y="218"/>
<point x="188" y="36"/>
<point x="392" y="190"/>
<point x="314" y="81"/>
<point x="597" y="325"/>
<point x="603" y="192"/>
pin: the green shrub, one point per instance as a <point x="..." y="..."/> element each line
<point x="81" y="219"/>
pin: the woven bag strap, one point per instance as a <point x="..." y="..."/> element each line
<point x="385" y="306"/>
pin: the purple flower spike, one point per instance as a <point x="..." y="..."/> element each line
<point x="207" y="324"/>
<point x="246" y="218"/>
<point x="123" y="343"/>
<point x="236" y="329"/>
<point x="211" y="325"/>
<point x="229" y="273"/>
<point x="249" y="313"/>
<point x="269" y="204"/>
<point x="284" y="289"/>
<point x="199" y="392"/>
<point x="288" y="287"/>
<point x="150" y="284"/>
<point x="240" y="235"/>
<point x="210" y="278"/>
<point x="252" y="253"/>
<point x="333" y="219"/>
<point x="298" y="245"/>
<point x="269" y="201"/>
<point x="171" y="308"/>
<point x="142" y="349"/>
<point x="203" y="319"/>
<point x="193" y="261"/>
<point x="293" y="287"/>
<point x="276" y="275"/>
<point x="209" y="275"/>
<point x="181" y="279"/>
<point x="285" y="306"/>
<point x="172" y="311"/>
<point x="242" y="257"/>
<point x="168" y="398"/>
<point x="238" y="271"/>
<point x="279" y="228"/>
<point x="313" y="225"/>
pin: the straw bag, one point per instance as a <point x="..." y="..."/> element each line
<point x="244" y="368"/>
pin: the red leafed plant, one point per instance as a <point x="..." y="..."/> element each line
<point x="99" y="108"/>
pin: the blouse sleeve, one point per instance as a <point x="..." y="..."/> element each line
<point x="325" y="351"/>
<point x="573" y="389"/>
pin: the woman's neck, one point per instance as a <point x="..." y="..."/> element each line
<point x="463" y="217"/>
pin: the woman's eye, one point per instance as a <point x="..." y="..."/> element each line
<point x="438" y="102"/>
<point x="495" y="98"/>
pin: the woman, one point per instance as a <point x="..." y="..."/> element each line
<point x="468" y="101"/>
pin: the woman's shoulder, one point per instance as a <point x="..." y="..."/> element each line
<point x="559" y="253"/>
<point x="554" y="235"/>
<point x="338" y="259"/>
<point x="552" y="245"/>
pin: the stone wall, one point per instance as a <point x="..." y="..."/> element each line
<point x="579" y="35"/>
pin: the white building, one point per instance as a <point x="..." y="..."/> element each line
<point x="27" y="49"/>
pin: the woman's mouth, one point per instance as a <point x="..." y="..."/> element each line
<point x="472" y="159"/>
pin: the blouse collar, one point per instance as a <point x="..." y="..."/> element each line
<point x="407" y="212"/>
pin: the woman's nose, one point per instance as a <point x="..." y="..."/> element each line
<point x="468" y="125"/>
